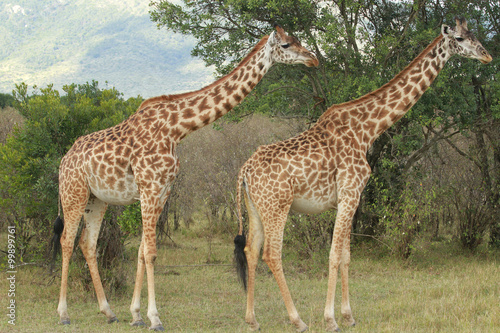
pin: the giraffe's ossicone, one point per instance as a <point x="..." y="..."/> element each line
<point x="137" y="160"/>
<point x="325" y="168"/>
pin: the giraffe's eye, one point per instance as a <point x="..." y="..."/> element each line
<point x="459" y="39"/>
<point x="285" y="46"/>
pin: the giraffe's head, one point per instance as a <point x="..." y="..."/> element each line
<point x="464" y="43"/>
<point x="288" y="50"/>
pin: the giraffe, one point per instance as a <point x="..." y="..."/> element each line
<point x="325" y="168"/>
<point x="136" y="160"/>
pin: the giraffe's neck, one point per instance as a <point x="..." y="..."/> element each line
<point x="375" y="112"/>
<point x="185" y="113"/>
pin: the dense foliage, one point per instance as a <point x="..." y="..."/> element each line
<point x="361" y="45"/>
<point x="6" y="100"/>
<point x="30" y="157"/>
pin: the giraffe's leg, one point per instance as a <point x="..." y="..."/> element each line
<point x="136" y="298"/>
<point x="272" y="256"/>
<point x="341" y="235"/>
<point x="151" y="209"/>
<point x="344" y="273"/>
<point x="252" y="251"/>
<point x="73" y="212"/>
<point x="149" y="258"/>
<point x="94" y="213"/>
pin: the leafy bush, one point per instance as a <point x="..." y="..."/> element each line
<point x="474" y="216"/>
<point x="30" y="157"/>
<point x="405" y="216"/>
<point x="310" y="234"/>
<point x="6" y="100"/>
<point x="130" y="219"/>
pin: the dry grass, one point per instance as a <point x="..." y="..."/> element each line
<point x="438" y="291"/>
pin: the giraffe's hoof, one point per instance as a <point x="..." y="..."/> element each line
<point x="302" y="329"/>
<point x="349" y="320"/>
<point x="332" y="328"/>
<point x="300" y="325"/>
<point x="112" y="320"/>
<point x="65" y="322"/>
<point x="158" y="328"/>
<point x="138" y="323"/>
<point x="254" y="327"/>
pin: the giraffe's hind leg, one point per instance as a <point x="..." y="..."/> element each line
<point x="73" y="207"/>
<point x="274" y="223"/>
<point x="93" y="215"/>
<point x="252" y="252"/>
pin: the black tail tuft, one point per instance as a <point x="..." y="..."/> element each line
<point x="56" y="239"/>
<point x="240" y="258"/>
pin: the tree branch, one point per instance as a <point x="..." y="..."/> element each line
<point x="419" y="154"/>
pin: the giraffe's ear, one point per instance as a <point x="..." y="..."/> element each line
<point x="461" y="22"/>
<point x="272" y="40"/>
<point x="279" y="29"/>
<point x="447" y="31"/>
<point x="279" y="33"/>
<point x="275" y="36"/>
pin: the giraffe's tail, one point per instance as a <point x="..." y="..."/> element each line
<point x="240" y="240"/>
<point x="58" y="228"/>
<point x="56" y="239"/>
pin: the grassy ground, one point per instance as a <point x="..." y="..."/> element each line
<point x="437" y="291"/>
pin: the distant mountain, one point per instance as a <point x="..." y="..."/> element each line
<point x="76" y="41"/>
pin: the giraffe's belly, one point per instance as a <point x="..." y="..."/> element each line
<point x="123" y="192"/>
<point x="311" y="205"/>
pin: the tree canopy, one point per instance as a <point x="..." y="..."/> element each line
<point x="361" y="45"/>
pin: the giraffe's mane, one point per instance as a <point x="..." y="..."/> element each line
<point x="386" y="86"/>
<point x="165" y="98"/>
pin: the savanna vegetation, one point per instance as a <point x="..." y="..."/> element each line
<point x="428" y="217"/>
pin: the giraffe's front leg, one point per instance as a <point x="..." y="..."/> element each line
<point x="150" y="257"/>
<point x="341" y="239"/>
<point x="334" y="260"/>
<point x="153" y="194"/>
<point x="151" y="208"/>
<point x="136" y="298"/>
<point x="344" y="273"/>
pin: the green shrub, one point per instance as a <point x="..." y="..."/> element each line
<point x="404" y="217"/>
<point x="310" y="234"/>
<point x="6" y="100"/>
<point x="30" y="156"/>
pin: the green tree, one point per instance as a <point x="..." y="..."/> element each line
<point x="361" y="45"/>
<point x="29" y="160"/>
<point x="6" y="100"/>
<point x="227" y="30"/>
